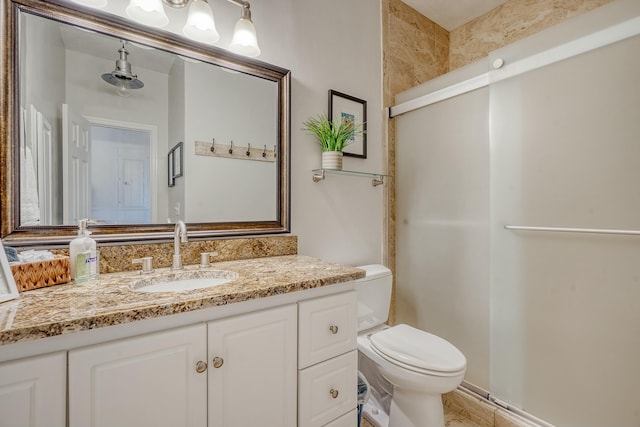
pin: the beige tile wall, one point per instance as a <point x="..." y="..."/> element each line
<point x="510" y="22"/>
<point x="416" y="49"/>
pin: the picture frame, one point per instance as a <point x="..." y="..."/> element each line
<point x="343" y="105"/>
<point x="8" y="288"/>
<point x="175" y="163"/>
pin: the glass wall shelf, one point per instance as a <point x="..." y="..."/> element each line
<point x="378" y="178"/>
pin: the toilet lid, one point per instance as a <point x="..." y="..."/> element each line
<point x="419" y="349"/>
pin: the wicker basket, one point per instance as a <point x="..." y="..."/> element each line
<point x="40" y="274"/>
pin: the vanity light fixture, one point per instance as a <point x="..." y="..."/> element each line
<point x="200" y="25"/>
<point x="122" y="77"/>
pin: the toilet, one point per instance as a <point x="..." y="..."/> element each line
<point x="408" y="369"/>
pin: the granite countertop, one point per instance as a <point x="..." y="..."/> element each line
<point x="107" y="301"/>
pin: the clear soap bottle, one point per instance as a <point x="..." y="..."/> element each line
<point x="83" y="255"/>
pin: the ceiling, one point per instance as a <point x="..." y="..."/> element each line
<point x="450" y="14"/>
<point x="106" y="47"/>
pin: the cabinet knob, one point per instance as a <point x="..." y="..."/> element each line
<point x="217" y="362"/>
<point x="334" y="393"/>
<point x="333" y="329"/>
<point x="201" y="366"/>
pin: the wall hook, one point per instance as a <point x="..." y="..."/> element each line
<point x="231" y="147"/>
<point x="274" y="151"/>
<point x="264" y="153"/>
<point x="248" y="152"/>
<point x="213" y="145"/>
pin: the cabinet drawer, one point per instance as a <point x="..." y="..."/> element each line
<point x="328" y="327"/>
<point x="347" y="420"/>
<point x="328" y="390"/>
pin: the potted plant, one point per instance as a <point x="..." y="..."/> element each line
<point x="333" y="137"/>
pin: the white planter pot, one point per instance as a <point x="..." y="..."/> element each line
<point x="332" y="160"/>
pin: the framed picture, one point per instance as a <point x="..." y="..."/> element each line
<point x="350" y="108"/>
<point x="175" y="163"/>
<point x="8" y="288"/>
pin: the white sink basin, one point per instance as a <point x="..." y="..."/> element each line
<point x="186" y="281"/>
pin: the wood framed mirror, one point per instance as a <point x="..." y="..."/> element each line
<point x="55" y="103"/>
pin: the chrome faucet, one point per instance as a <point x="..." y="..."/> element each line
<point x="179" y="235"/>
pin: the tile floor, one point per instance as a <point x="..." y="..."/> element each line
<point x="463" y="409"/>
<point x="450" y="420"/>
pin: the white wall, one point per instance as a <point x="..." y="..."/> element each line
<point x="329" y="44"/>
<point x="334" y="45"/>
<point x="229" y="107"/>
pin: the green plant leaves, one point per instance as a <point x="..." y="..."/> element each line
<point x="332" y="136"/>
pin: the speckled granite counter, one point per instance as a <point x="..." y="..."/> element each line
<point x="109" y="301"/>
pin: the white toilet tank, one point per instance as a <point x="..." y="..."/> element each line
<point x="374" y="296"/>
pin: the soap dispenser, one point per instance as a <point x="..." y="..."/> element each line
<point x="83" y="256"/>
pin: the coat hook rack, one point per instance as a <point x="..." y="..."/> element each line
<point x="229" y="152"/>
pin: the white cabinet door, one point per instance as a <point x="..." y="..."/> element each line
<point x="33" y="392"/>
<point x="253" y="380"/>
<point x="149" y="380"/>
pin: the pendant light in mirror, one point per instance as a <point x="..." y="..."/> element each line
<point x="122" y="77"/>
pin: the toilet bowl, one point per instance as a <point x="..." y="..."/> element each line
<point x="420" y="366"/>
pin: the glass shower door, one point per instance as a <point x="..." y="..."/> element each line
<point x="565" y="306"/>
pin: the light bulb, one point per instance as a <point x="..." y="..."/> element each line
<point x="122" y="90"/>
<point x="244" y="40"/>
<point x="148" y="12"/>
<point x="200" y="25"/>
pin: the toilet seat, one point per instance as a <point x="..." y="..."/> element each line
<point x="418" y="351"/>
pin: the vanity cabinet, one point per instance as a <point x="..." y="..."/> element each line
<point x="327" y="360"/>
<point x="274" y="349"/>
<point x="236" y="371"/>
<point x="33" y="391"/>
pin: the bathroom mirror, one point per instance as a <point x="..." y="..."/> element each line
<point x="76" y="146"/>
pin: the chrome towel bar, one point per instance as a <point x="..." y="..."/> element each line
<point x="573" y="230"/>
